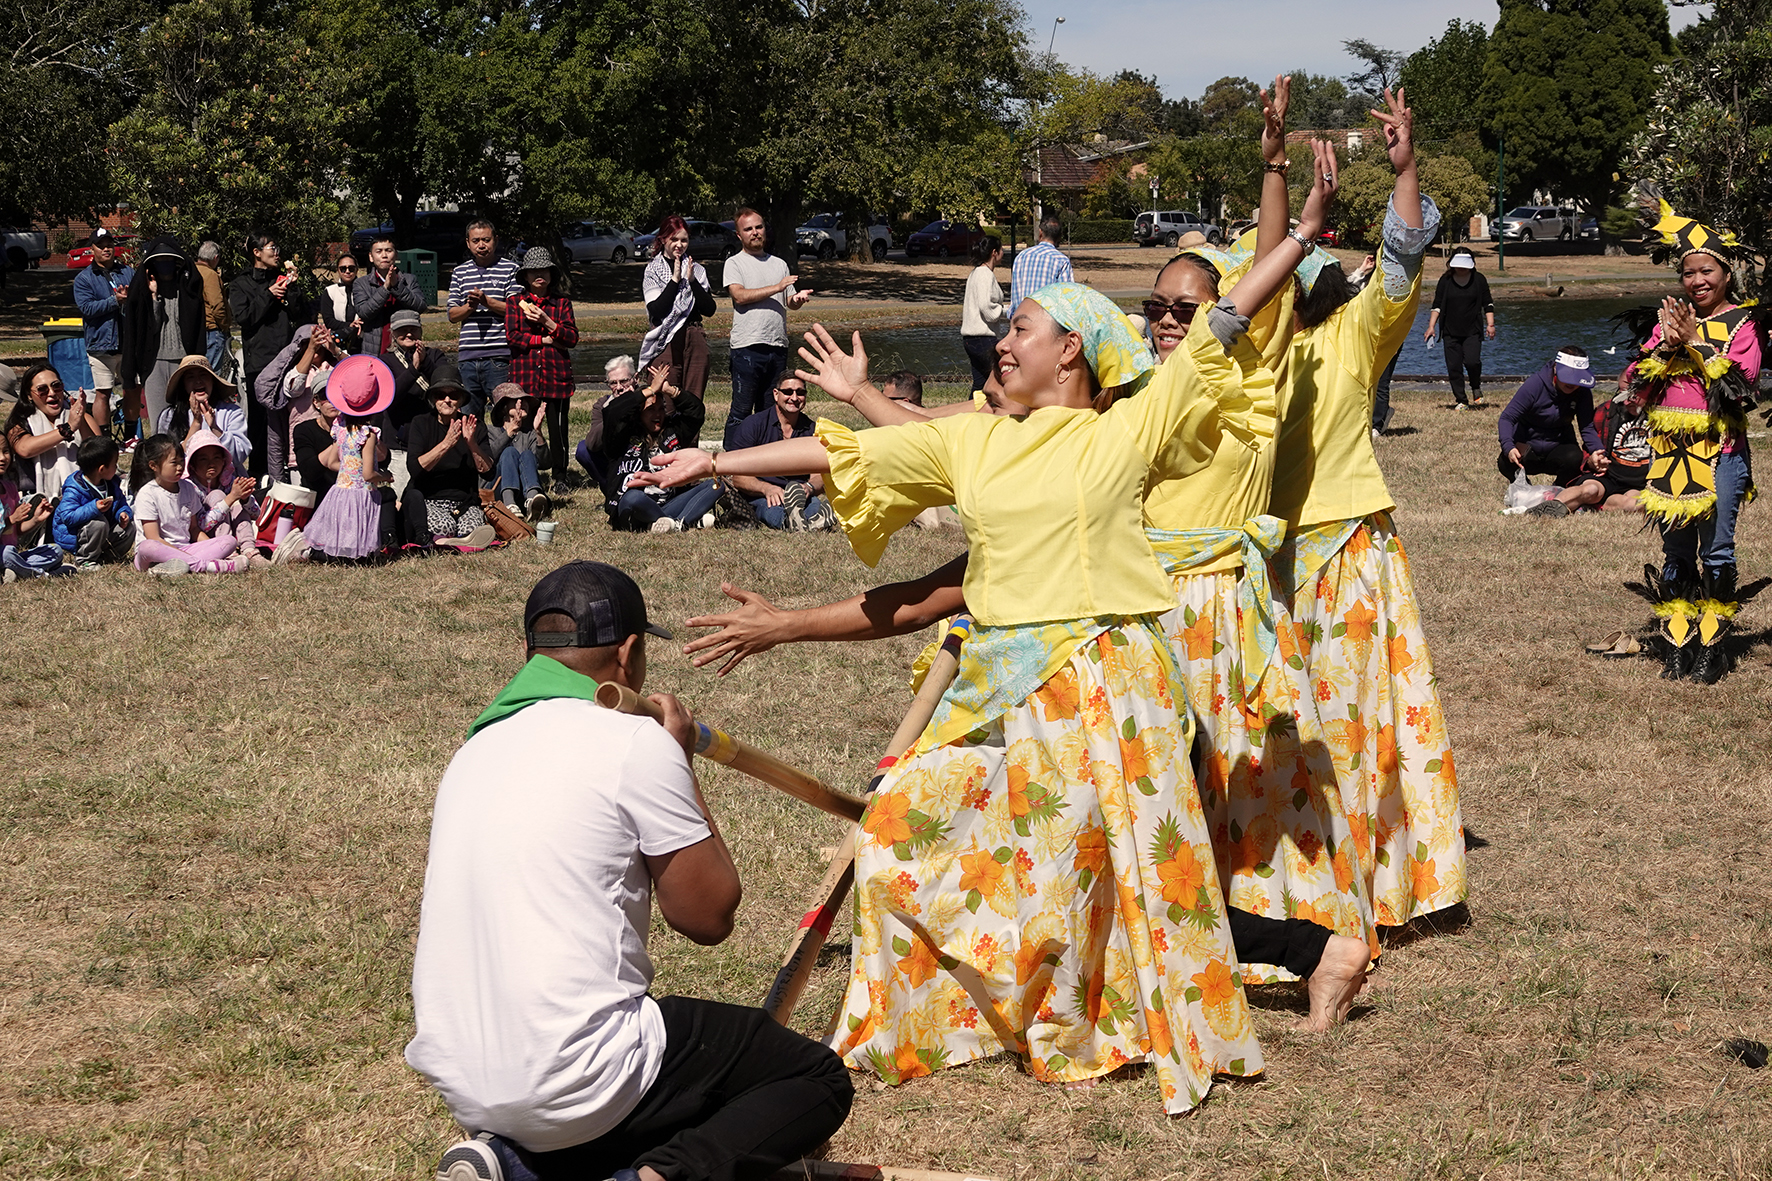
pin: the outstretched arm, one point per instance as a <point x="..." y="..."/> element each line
<point x="1266" y="276"/>
<point x="1399" y="142"/>
<point x="790" y="457"/>
<point x="894" y="610"/>
<point x="844" y="376"/>
<point x="1270" y="225"/>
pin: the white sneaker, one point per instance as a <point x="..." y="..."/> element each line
<point x="1461" y="406"/>
<point x="171" y="569"/>
<point x="667" y="525"/>
<point x="1375" y="435"/>
<point x="293" y="548"/>
<point x="707" y="520"/>
<point x="471" y="1160"/>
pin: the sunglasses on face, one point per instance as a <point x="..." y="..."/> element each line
<point x="790" y="392"/>
<point x="1155" y="310"/>
<point x="346" y="266"/>
<point x="55" y="387"/>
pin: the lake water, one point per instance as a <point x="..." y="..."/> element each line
<point x="1528" y="333"/>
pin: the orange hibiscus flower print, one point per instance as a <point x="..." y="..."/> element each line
<point x="1060" y="697"/>
<point x="908" y="1064"/>
<point x="1200" y="638"/>
<point x="1387" y="749"/>
<point x="1182" y="876"/>
<point x="1162" y="1044"/>
<point x="919" y="966"/>
<point x="1018" y="790"/>
<point x="1092" y="850"/>
<point x="1360" y="619"/>
<point x="886" y="821"/>
<point x="1217" y="984"/>
<point x="1397" y="650"/>
<point x="980" y="871"/>
<point x="1425" y="883"/>
<point x="1133" y="763"/>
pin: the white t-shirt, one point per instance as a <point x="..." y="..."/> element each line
<point x="173" y="510"/>
<point x="529" y="984"/>
<point x="758" y="323"/>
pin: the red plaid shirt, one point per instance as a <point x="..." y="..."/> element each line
<point x="544" y="370"/>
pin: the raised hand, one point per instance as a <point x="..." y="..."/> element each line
<point x="753" y="627"/>
<point x="1323" y="188"/>
<point x="1399" y="130"/>
<point x="839" y="374"/>
<point x="675" y="470"/>
<point x="1679" y="323"/>
<point x="1273" y="112"/>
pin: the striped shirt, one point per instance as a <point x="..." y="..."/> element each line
<point x="483" y="332"/>
<point x="1034" y="268"/>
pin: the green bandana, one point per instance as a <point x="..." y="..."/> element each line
<point x="542" y="679"/>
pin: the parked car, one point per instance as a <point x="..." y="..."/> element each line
<point x="441" y="230"/>
<point x="1236" y="229"/>
<point x="1536" y="223"/>
<point x="79" y="257"/>
<point x="1168" y="226"/>
<point x="597" y="241"/>
<point x="708" y="242"/>
<point x="943" y="239"/>
<point x="24" y="247"/>
<point x="1590" y="229"/>
<point x="827" y="236"/>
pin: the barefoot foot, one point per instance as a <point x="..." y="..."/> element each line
<point x="1338" y="979"/>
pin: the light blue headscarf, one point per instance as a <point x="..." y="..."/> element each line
<point x="1114" y="349"/>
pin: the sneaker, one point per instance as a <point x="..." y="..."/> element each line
<point x="1477" y="399"/>
<point x="170" y="569"/>
<point x="480" y="538"/>
<point x="823" y="519"/>
<point x="1375" y="435"/>
<point x="1461" y="406"/>
<point x="539" y="508"/>
<point x="793" y="498"/>
<point x="293" y="548"/>
<point x="667" y="525"/>
<point x="707" y="520"/>
<point x="256" y="561"/>
<point x="1550" y="508"/>
<point x="10" y="577"/>
<point x="471" y="1160"/>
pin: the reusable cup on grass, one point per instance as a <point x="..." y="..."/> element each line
<point x="544" y="532"/>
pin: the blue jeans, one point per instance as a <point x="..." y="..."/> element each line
<point x="517" y="472"/>
<point x="216" y="349"/>
<point x="775" y="516"/>
<point x="1710" y="541"/>
<point x="480" y="376"/>
<point x="755" y="370"/>
<point x="637" y="511"/>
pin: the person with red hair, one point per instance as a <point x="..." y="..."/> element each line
<point x="678" y="297"/>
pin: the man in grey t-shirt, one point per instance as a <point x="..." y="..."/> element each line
<point x="763" y="293"/>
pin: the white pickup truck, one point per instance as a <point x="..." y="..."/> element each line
<point x="24" y="247"/>
<point x="824" y="235"/>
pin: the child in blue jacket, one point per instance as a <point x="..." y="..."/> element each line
<point x="92" y="520"/>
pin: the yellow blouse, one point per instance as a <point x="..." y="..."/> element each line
<point x="1324" y="466"/>
<point x="1053" y="502"/>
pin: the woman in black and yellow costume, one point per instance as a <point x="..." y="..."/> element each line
<point x="1698" y="372"/>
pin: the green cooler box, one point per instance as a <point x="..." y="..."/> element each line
<point x="422" y="265"/>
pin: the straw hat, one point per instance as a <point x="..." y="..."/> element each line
<point x="193" y="363"/>
<point x="360" y="386"/>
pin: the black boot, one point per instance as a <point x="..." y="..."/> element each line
<point x="1679" y="662"/>
<point x="1715" y="621"/>
<point x="1673" y="595"/>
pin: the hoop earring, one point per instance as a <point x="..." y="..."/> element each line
<point x="1058" y="373"/>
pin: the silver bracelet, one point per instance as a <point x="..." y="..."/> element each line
<point x="1301" y="240"/>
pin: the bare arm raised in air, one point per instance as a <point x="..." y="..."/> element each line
<point x="758" y="625"/>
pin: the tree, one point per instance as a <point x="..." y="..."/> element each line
<point x="238" y="129"/>
<point x="1438" y="79"/>
<point x="1567" y="84"/>
<point x="1457" y="188"/>
<point x="1320" y="102"/>
<point x="1709" y="135"/>
<point x="1380" y="73"/>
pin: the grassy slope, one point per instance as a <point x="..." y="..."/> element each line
<point x="210" y="875"/>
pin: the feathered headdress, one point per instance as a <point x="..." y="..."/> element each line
<point x="1671" y="238"/>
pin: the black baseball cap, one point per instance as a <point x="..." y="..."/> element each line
<point x="102" y="237"/>
<point x="604" y="602"/>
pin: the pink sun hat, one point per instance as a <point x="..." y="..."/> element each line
<point x="360" y="386"/>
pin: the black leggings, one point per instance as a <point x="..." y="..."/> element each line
<point x="1464" y="354"/>
<point x="559" y="449"/>
<point x="981" y="351"/>
<point x="737" y="1097"/>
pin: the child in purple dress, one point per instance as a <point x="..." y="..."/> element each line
<point x="348" y="522"/>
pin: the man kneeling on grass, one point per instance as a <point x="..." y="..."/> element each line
<point x="555" y="824"/>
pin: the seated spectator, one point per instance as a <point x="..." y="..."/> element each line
<point x="45" y="430"/>
<point x="230" y="508"/>
<point x="169" y="514"/>
<point x="638" y="425"/>
<point x="903" y="386"/>
<point x="413" y="366"/>
<point x="310" y="439"/>
<point x="92" y="519"/>
<point x="1548" y="427"/>
<point x="23" y="551"/>
<point x="793" y="503"/>
<point x="518" y="451"/>
<point x="285" y="388"/>
<point x="197" y="399"/>
<point x="446" y="454"/>
<point x="560" y="818"/>
<point x="1621" y="471"/>
<point x="619" y="376"/>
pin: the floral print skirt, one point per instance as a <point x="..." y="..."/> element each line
<point x="1358" y="629"/>
<point x="1045" y="885"/>
<point x="1267" y="779"/>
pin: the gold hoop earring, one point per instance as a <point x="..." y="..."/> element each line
<point x="1058" y="373"/>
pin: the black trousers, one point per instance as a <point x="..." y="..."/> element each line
<point x="1562" y="461"/>
<point x="737" y="1097"/>
<point x="1381" y="395"/>
<point x="256" y="424"/>
<point x="559" y="446"/>
<point x="1464" y="354"/>
<point x="1294" y="944"/>
<point x="981" y="351"/>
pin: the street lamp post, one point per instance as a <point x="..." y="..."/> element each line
<point x="1050" y="41"/>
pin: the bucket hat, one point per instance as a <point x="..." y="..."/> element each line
<point x="536" y="258"/>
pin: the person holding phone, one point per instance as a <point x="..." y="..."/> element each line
<point x="267" y="305"/>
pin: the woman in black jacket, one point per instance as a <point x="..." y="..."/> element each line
<point x="1464" y="316"/>
<point x="267" y="305"/>
<point x="163" y="321"/>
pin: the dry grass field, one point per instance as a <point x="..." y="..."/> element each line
<point x="215" y="805"/>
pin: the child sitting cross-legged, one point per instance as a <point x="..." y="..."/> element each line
<point x="22" y="522"/>
<point x="230" y="508"/>
<point x="169" y="511"/>
<point x="92" y="518"/>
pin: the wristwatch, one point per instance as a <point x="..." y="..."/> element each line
<point x="67" y="432"/>
<point x="1301" y="240"/>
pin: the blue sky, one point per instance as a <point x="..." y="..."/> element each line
<point x="1189" y="46"/>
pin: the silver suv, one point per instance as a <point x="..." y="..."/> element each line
<point x="1537" y="223"/>
<point x="1167" y="227"/>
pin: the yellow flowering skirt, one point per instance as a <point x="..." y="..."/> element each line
<point x="1045" y="884"/>
<point x="1268" y="783"/>
<point x="1359" y="632"/>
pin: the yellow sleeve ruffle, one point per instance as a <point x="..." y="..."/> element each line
<point x="869" y="511"/>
